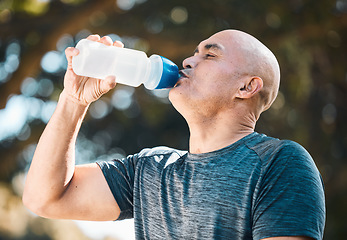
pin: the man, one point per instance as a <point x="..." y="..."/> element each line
<point x="232" y="184"/>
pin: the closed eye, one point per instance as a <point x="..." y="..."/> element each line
<point x="212" y="46"/>
<point x="209" y="55"/>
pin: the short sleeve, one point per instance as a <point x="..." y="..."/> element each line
<point x="119" y="175"/>
<point x="289" y="198"/>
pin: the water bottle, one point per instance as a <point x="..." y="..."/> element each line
<point x="131" y="67"/>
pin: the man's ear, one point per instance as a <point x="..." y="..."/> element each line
<point x="250" y="88"/>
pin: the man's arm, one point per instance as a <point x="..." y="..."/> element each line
<point x="55" y="187"/>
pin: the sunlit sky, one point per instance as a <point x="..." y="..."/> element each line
<point x="122" y="230"/>
<point x="19" y="111"/>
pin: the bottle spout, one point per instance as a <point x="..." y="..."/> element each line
<point x="170" y="74"/>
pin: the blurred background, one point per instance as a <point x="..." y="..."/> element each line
<point x="308" y="37"/>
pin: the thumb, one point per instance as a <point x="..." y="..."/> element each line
<point x="107" y="84"/>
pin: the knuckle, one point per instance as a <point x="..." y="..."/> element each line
<point x="68" y="50"/>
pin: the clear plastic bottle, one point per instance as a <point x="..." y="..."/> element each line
<point x="131" y="67"/>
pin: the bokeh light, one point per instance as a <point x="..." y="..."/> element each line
<point x="51" y="62"/>
<point x="122" y="98"/>
<point x="341" y="6"/>
<point x="11" y="64"/>
<point x="13" y="117"/>
<point x="66" y="40"/>
<point x="21" y="110"/>
<point x="82" y="34"/>
<point x="279" y="102"/>
<point x="5" y="15"/>
<point x="45" y="87"/>
<point x="4" y="75"/>
<point x="154" y="24"/>
<point x="47" y="110"/>
<point x="114" y="37"/>
<point x="179" y="15"/>
<point x="11" y="60"/>
<point x="13" y="49"/>
<point x="273" y="20"/>
<point x="125" y="4"/>
<point x="29" y="87"/>
<point x="25" y="133"/>
<point x="161" y="94"/>
<point x="99" y="109"/>
<point x="98" y="18"/>
<point x="329" y="113"/>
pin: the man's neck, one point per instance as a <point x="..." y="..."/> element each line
<point x="215" y="133"/>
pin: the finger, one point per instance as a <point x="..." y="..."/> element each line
<point x="108" y="83"/>
<point x="106" y="40"/>
<point x="118" y="44"/>
<point x="94" y="37"/>
<point x="69" y="53"/>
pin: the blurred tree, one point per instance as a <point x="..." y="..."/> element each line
<point x="307" y="36"/>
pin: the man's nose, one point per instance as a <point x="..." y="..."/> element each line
<point x="189" y="62"/>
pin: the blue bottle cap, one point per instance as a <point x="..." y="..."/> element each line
<point x="170" y="74"/>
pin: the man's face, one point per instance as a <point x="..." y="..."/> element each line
<point x="209" y="78"/>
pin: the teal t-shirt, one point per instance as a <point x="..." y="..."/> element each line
<point x="256" y="188"/>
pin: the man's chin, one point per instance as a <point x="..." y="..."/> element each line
<point x="175" y="96"/>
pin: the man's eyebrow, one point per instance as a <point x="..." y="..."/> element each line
<point x="214" y="46"/>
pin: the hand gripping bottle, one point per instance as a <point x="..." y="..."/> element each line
<point x="131" y="67"/>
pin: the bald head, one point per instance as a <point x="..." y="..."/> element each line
<point x="255" y="59"/>
<point x="230" y="73"/>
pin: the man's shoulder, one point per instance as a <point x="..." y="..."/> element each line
<point x="265" y="147"/>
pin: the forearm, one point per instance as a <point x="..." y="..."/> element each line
<point x="53" y="163"/>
